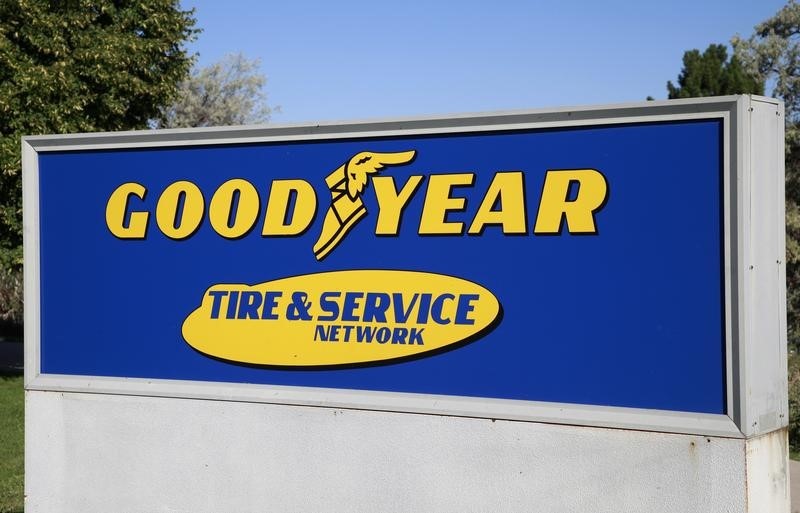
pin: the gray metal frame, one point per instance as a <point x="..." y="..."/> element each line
<point x="754" y="273"/>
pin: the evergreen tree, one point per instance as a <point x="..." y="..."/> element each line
<point x="711" y="74"/>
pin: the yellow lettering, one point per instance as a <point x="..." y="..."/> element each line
<point x="230" y="222"/>
<point x="184" y="225"/>
<point x="391" y="203"/>
<point x="438" y="203"/>
<point x="555" y="203"/>
<point x="117" y="207"/>
<point x="305" y="207"/>
<point x="507" y="188"/>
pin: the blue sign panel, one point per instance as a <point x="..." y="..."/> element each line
<point x="577" y="265"/>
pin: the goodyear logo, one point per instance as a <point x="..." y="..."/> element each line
<point x="355" y="316"/>
<point x="340" y="318"/>
<point x="235" y="207"/>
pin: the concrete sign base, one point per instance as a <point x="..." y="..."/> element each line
<point x="101" y="453"/>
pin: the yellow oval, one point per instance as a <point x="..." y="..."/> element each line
<point x="340" y="318"/>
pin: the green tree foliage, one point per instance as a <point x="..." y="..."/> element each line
<point x="794" y="402"/>
<point x="229" y="92"/>
<point x="773" y="53"/>
<point x="711" y="74"/>
<point x="81" y="66"/>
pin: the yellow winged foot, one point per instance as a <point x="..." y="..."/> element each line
<point x="346" y="184"/>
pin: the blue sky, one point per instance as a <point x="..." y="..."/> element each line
<point x="355" y="60"/>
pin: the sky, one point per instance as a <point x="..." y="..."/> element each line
<point x="348" y="60"/>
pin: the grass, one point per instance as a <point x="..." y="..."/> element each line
<point x="12" y="453"/>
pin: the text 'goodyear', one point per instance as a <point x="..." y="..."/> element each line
<point x="569" y="197"/>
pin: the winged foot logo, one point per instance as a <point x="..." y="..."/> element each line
<point x="346" y="185"/>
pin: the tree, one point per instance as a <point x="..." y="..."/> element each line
<point x="229" y="92"/>
<point x="80" y="66"/>
<point x="712" y="74"/>
<point x="772" y="54"/>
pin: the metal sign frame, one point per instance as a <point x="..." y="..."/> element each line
<point x="754" y="267"/>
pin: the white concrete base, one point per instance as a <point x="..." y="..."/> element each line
<point x="767" y="463"/>
<point x="103" y="453"/>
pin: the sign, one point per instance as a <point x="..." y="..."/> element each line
<point x="612" y="266"/>
<point x="578" y="265"/>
